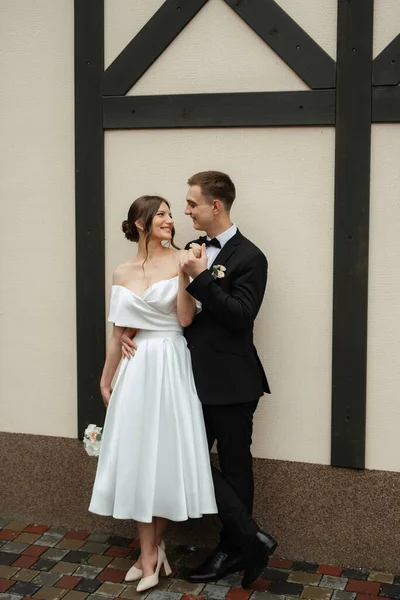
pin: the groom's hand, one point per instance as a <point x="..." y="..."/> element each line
<point x="193" y="266"/>
<point x="128" y="346"/>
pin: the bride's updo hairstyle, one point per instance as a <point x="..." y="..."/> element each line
<point x="143" y="209"/>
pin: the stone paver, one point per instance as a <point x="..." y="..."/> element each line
<point x="24" y="588"/>
<point x="123" y="564"/>
<point x="14" y="547"/>
<point x="286" y="588"/>
<point x="7" y="572"/>
<point x="111" y="589"/>
<point x="304" y="578"/>
<point x="53" y="563"/>
<point x="27" y="538"/>
<point x="334" y="583"/>
<point x="54" y="553"/>
<point x="185" y="587"/>
<point x="266" y="596"/>
<point x="96" y="560"/>
<point x="340" y="595"/>
<point x="48" y="539"/>
<point x="6" y="558"/>
<point x="67" y="544"/>
<point x="47" y="579"/>
<point x="163" y="595"/>
<point x="313" y="593"/>
<point x="130" y="593"/>
<point x="97" y="537"/>
<point x="94" y="547"/>
<point x="16" y="525"/>
<point x="88" y="586"/>
<point x="232" y="580"/>
<point x="87" y="571"/>
<point x="49" y="593"/>
<point x="390" y="591"/>
<point x="381" y="577"/>
<point x="65" y="568"/>
<point x="211" y="590"/>
<point x="73" y="595"/>
<point x="26" y="574"/>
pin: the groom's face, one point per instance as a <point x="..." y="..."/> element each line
<point x="199" y="208"/>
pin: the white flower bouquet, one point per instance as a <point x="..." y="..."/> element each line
<point x="92" y="439"/>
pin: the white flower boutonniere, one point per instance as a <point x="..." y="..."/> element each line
<point x="92" y="439"/>
<point x="218" y="271"/>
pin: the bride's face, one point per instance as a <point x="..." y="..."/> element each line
<point x="162" y="224"/>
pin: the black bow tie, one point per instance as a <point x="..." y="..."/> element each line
<point x="213" y="242"/>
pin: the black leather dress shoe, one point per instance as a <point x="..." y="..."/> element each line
<point x="216" y="567"/>
<point x="256" y="555"/>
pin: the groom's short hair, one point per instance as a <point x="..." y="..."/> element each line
<point x="215" y="185"/>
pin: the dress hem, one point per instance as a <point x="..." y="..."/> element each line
<point x="141" y="520"/>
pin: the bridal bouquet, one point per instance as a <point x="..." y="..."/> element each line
<point x="92" y="439"/>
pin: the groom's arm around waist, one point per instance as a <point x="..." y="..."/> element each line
<point x="237" y="309"/>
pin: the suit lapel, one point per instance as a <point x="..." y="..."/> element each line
<point x="229" y="248"/>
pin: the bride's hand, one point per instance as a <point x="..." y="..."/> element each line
<point x="106" y="395"/>
<point x="182" y="257"/>
<point x="196" y="248"/>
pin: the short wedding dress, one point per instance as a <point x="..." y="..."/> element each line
<point x="154" y="459"/>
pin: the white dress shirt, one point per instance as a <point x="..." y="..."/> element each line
<point x="223" y="238"/>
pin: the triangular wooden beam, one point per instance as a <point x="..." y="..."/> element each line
<point x="386" y="66"/>
<point x="267" y="19"/>
<point x="151" y="41"/>
<point x="299" y="51"/>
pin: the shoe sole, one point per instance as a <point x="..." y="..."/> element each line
<point x="249" y="578"/>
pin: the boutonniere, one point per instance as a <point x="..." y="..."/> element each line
<point x="218" y="271"/>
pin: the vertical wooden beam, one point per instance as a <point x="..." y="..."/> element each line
<point x="351" y="231"/>
<point x="89" y="211"/>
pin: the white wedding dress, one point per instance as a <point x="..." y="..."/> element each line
<point x="154" y="459"/>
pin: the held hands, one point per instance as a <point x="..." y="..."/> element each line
<point x="194" y="261"/>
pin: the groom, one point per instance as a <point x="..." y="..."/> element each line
<point x="229" y="280"/>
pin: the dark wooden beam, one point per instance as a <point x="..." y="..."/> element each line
<point x="299" y="51"/>
<point x="258" y="109"/>
<point x="351" y="232"/>
<point x="386" y="105"/>
<point x="148" y="44"/>
<point x="89" y="202"/>
<point x="386" y="66"/>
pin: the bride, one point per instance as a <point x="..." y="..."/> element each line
<point x="154" y="462"/>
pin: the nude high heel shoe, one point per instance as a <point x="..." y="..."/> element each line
<point x="134" y="574"/>
<point x="166" y="568"/>
<point x="152" y="580"/>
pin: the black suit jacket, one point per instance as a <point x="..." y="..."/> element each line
<point x="226" y="366"/>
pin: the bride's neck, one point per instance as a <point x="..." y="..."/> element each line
<point x="154" y="249"/>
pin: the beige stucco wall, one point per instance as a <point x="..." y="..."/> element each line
<point x="383" y="407"/>
<point x="290" y="218"/>
<point x="285" y="204"/>
<point x="37" y="243"/>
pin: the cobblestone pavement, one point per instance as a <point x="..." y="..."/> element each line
<point x="50" y="563"/>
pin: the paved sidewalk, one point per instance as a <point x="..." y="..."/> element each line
<point x="50" y="563"/>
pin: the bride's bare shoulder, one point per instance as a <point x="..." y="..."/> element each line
<point x="121" y="271"/>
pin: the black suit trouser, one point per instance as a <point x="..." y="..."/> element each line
<point x="231" y="426"/>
